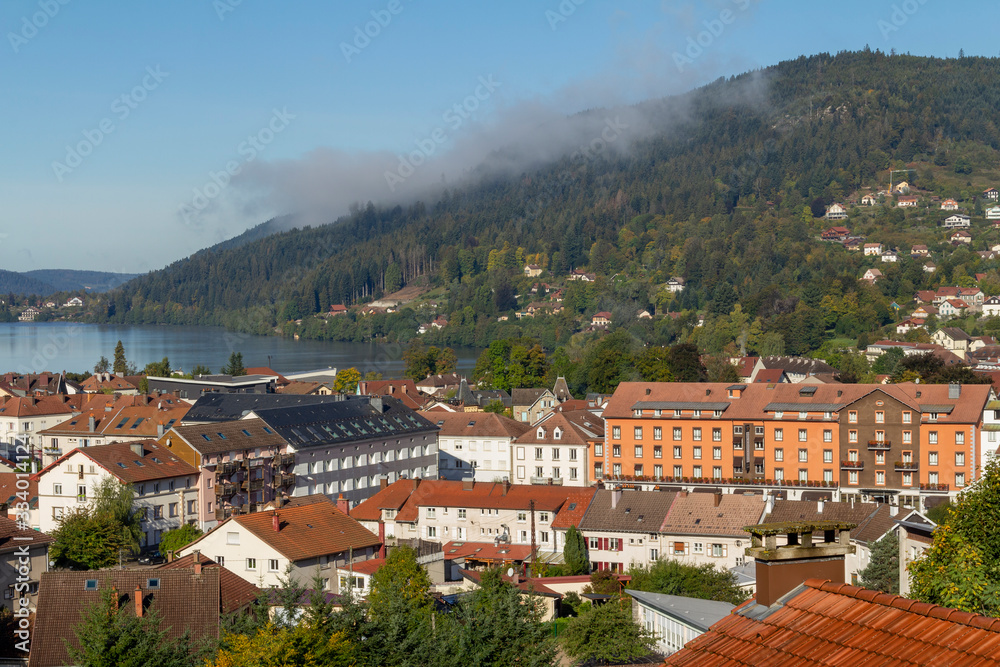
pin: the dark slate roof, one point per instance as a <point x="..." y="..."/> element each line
<point x="219" y="437"/>
<point x="635" y="512"/>
<point x="800" y="365"/>
<point x="220" y="407"/>
<point x="526" y="396"/>
<point x="350" y="419"/>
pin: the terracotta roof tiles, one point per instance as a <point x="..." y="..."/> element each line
<point x="698" y="514"/>
<point x="476" y="424"/>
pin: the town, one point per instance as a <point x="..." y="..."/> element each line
<point x="261" y="480"/>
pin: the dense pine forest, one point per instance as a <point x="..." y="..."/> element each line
<point x="726" y="190"/>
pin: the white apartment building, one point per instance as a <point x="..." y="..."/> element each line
<point x="554" y="450"/>
<point x="475" y="444"/>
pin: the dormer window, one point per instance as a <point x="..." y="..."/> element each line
<point x="637" y="412"/>
<point x="557" y="433"/>
<point x="541" y="433"/>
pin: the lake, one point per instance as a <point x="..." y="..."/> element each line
<point x="27" y="347"/>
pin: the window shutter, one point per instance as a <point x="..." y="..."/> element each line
<point x="725" y="550"/>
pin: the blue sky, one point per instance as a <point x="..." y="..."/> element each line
<point x="118" y="117"/>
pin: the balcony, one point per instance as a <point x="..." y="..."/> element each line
<point x="550" y="481"/>
<point x="906" y="466"/>
<point x="284" y="480"/>
<point x="256" y="484"/>
<point x="879" y="445"/>
<point x="224" y="490"/>
<point x="852" y="465"/>
<point x="284" y="460"/>
<point x="935" y="487"/>
<point x="227" y="468"/>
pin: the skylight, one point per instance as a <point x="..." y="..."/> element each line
<point x="267" y="430"/>
<point x="156" y="460"/>
<point x="246" y="433"/>
<point x="121" y="465"/>
<point x="221" y="435"/>
<point x="137" y="422"/>
<point x="205" y="435"/>
<point x="138" y="463"/>
<point x="122" y="423"/>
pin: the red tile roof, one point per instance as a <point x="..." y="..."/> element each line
<point x="569" y="503"/>
<point x="823" y="623"/>
<point x="308" y="531"/>
<point x="487" y="551"/>
<point x="123" y="462"/>
<point x="698" y="514"/>
<point x="476" y="425"/>
<point x="9" y="530"/>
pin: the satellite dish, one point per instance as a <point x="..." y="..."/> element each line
<point x="510" y="572"/>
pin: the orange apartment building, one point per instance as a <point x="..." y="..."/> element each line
<point x="900" y="441"/>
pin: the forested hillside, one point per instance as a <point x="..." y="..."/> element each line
<point x="726" y="194"/>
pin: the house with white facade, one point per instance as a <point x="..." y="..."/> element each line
<point x="993" y="213"/>
<point x="836" y="212"/>
<point x="622" y="527"/>
<point x="554" y="449"/>
<point x="957" y="221"/>
<point x="991" y="307"/>
<point x="675" y="285"/>
<point x="708" y="528"/>
<point x="949" y="205"/>
<point x="890" y="256"/>
<point x="871" y="249"/>
<point x="475" y="444"/>
<point x="165" y="486"/>
<point x="443" y="510"/>
<point x="313" y="537"/>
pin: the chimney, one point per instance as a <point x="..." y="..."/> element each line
<point x="381" y="539"/>
<point x="506" y="486"/>
<point x="136" y="448"/>
<point x="197" y="561"/>
<point x="159" y="430"/>
<point x="716" y="499"/>
<point x="954" y="390"/>
<point x="383" y="482"/>
<point x="769" y="504"/>
<point x="91" y="423"/>
<point x="416" y="483"/>
<point x="276" y="522"/>
<point x="343" y="504"/>
<point x="616" y="496"/>
<point x="376" y="403"/>
<point x="137" y="596"/>
<point x="819" y="507"/>
<point x="780" y="569"/>
<point x="279" y="501"/>
<point x="893" y="510"/>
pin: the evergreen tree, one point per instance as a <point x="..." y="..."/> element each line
<point x="882" y="573"/>
<point x="575" y="552"/>
<point x="120" y="366"/>
<point x="235" y="365"/>
<point x="400" y="609"/>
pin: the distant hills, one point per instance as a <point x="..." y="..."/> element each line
<point x="725" y="187"/>
<point x="43" y="282"/>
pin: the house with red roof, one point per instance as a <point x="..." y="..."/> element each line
<point x="165" y="486"/>
<point x="108" y="382"/>
<point x="316" y="538"/>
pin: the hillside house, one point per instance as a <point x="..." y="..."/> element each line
<point x="675" y="285"/>
<point x="961" y="236"/>
<point x="532" y="270"/>
<point x="929" y="267"/>
<point x="957" y="221"/>
<point x="835" y="234"/>
<point x="890" y="256"/>
<point x="901" y="188"/>
<point x="908" y="201"/>
<point x="992" y="194"/>
<point x="991" y="307"/>
<point x="993" y="213"/>
<point x="953" y="308"/>
<point x="869" y="200"/>
<point x="872" y="249"/>
<point x="601" y="319"/>
<point x="949" y="205"/>
<point x="871" y="276"/>
<point x="836" y="212"/>
<point x="909" y="324"/>
<point x="919" y="250"/>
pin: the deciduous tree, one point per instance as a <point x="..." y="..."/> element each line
<point x="607" y="634"/>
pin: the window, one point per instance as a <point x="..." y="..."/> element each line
<point x="678" y="471"/>
<point x="556" y="473"/>
<point x="906" y="416"/>
<point x="617" y="470"/>
<point x="852" y="416"/>
<point x="595" y="543"/>
<point x="658" y="470"/>
<point x="431" y="512"/>
<point x="657" y="452"/>
<point x="677" y="433"/>
<point x="779" y="454"/>
<point x="81" y="493"/>
<point x="555" y="454"/>
<point x="959" y="459"/>
<point x="803" y="435"/>
<point x="679" y="548"/>
<point x="758" y="445"/>
<point x="779" y="434"/>
<point x="758" y="430"/>
<point x="803" y="455"/>
<point x="959" y="479"/>
<point x="522" y="516"/>
<point x="932" y="438"/>
<point x="737" y="430"/>
<point x="717" y="435"/>
<point x="718" y="550"/>
<point x="717" y="453"/>
<point x="852" y="436"/>
<point x="697" y="452"/>
<point x="616" y="450"/>
<point x="158" y="511"/>
<point x="461" y="513"/>
<point x="827" y="435"/>
<point x="827" y="476"/>
<point x="598" y="449"/>
<point x="538" y="453"/>
<point x="879" y="417"/>
<point x="57" y="489"/>
<point x="637" y="431"/>
<point x="272" y="565"/>
<point x="572" y="473"/>
<point x="779" y="474"/>
<point x="697" y="472"/>
<point x="880" y="477"/>
<point x="677" y="452"/>
<point x="539" y="472"/>
<point x="432" y="531"/>
<point x="698" y="547"/>
<point x="57" y="512"/>
<point x="827" y="456"/>
<point x="852" y="477"/>
<point x="638" y="451"/>
<point x="852" y="455"/>
<point x="932" y="477"/>
<point x="233" y="538"/>
<point x="907" y="479"/>
<point x="251" y="563"/>
<point x="657" y="433"/>
<point x="908" y="457"/>
<point x="803" y="475"/>
<point x="932" y="458"/>
<point x="653" y="553"/>
<point x="959" y="438"/>
<point x="616" y="432"/>
<point x="696" y="433"/>
<point x="880" y="458"/>
<point x="907" y="437"/>
<point x="638" y="470"/>
<point x="717" y="472"/>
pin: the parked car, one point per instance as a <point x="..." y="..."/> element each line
<point x="152" y="558"/>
